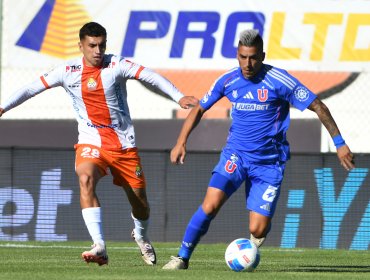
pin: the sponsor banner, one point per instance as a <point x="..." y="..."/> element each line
<point x="324" y="43"/>
<point x="320" y="205"/>
<point x="325" y="35"/>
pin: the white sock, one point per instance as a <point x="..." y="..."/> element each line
<point x="92" y="218"/>
<point x="257" y="241"/>
<point x="141" y="228"/>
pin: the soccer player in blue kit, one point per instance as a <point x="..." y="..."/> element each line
<point x="256" y="149"/>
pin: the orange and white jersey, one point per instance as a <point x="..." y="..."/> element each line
<point x="99" y="97"/>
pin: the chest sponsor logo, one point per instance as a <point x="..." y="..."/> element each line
<point x="250" y="106"/>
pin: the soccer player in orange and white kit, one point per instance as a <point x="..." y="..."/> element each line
<point x="96" y="84"/>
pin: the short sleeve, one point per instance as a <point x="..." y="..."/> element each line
<point x="296" y="93"/>
<point x="215" y="93"/>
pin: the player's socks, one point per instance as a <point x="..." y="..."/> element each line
<point x="141" y="227"/>
<point x="139" y="234"/>
<point x="261" y="240"/>
<point x="197" y="227"/>
<point x="92" y="218"/>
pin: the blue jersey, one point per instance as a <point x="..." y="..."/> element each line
<point x="260" y="110"/>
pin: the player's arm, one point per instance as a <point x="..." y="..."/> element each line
<point x="46" y="81"/>
<point x="161" y="86"/>
<point x="22" y="95"/>
<point x="187" y="102"/>
<point x="156" y="83"/>
<point x="345" y="155"/>
<point x="179" y="151"/>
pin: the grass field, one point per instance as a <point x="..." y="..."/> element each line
<point x="46" y="260"/>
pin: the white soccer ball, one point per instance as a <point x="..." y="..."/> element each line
<point x="242" y="255"/>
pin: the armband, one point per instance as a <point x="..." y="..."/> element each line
<point x="338" y="141"/>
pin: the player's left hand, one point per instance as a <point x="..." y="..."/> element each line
<point x="178" y="153"/>
<point x="188" y="101"/>
<point x="1" y="111"/>
<point x="346" y="157"/>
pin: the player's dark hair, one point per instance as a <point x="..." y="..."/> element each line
<point x="92" y="29"/>
<point x="251" y="38"/>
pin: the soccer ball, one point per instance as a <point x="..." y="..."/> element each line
<point x="242" y="255"/>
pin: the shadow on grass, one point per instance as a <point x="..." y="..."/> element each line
<point x="333" y="268"/>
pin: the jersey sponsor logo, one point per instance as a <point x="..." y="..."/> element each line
<point x="77" y="85"/>
<point x="250" y="106"/>
<point x="231" y="82"/>
<point x="270" y="193"/>
<point x="263" y="94"/>
<point x="248" y="95"/>
<point x="112" y="125"/>
<point x="47" y="73"/>
<point x="301" y="94"/>
<point x="73" y="68"/>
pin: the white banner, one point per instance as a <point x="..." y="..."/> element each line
<point x="325" y="35"/>
<point x="324" y="43"/>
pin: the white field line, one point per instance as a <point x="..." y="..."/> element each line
<point x="18" y="245"/>
<point x="13" y="245"/>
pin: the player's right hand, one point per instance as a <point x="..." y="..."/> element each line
<point x="178" y="153"/>
<point x="1" y="111"/>
<point x="188" y="102"/>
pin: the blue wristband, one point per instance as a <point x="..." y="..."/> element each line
<point x="338" y="141"/>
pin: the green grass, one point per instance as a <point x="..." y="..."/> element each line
<point x="49" y="260"/>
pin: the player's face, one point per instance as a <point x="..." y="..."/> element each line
<point x="250" y="60"/>
<point x="93" y="49"/>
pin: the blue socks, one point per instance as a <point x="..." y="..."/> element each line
<point x="197" y="227"/>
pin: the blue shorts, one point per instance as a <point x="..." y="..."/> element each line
<point x="262" y="180"/>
